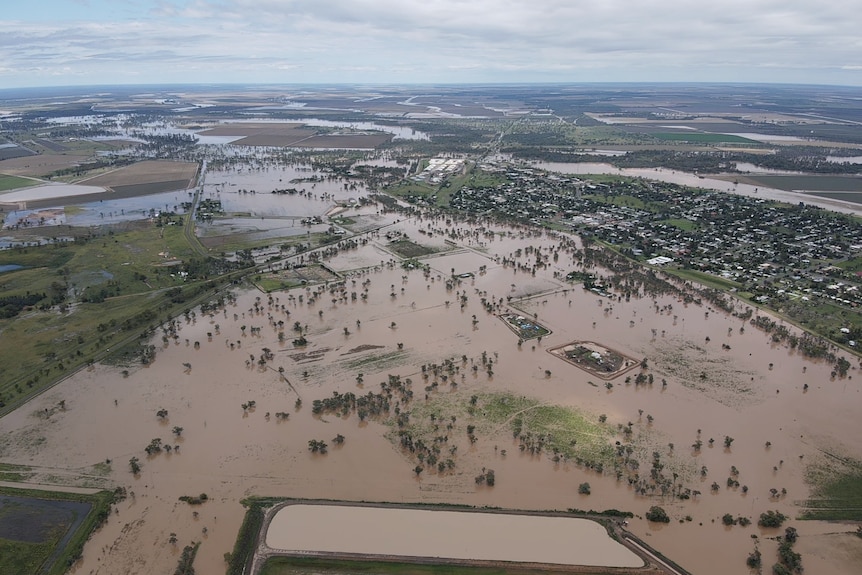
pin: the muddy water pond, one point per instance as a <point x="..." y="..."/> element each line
<point x="469" y="536"/>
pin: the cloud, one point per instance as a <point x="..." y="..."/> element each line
<point x="444" y="40"/>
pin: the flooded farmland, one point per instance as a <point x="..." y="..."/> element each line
<point x="238" y="384"/>
<point x="241" y="385"/>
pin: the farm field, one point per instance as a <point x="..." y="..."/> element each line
<point x="13" y="182"/>
<point x="700" y="137"/>
<point x="147" y="177"/>
<point x="40" y="165"/>
<point x="811" y="183"/>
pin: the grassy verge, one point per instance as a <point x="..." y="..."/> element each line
<point x="706" y="279"/>
<point x="246" y="539"/>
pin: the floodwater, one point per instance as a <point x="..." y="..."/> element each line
<point x="471" y="536"/>
<point x="749" y="389"/>
<point x="50" y="192"/>
<point x="313" y="197"/>
<point x="400" y="132"/>
<point x="687" y="179"/>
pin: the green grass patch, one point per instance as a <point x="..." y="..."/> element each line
<point x="246" y="538"/>
<point x="566" y="430"/>
<point x="680" y="223"/>
<point x="14" y="473"/>
<point x="851" y="265"/>
<point x="112" y="287"/>
<point x="409" y="249"/>
<point x="481" y="179"/>
<point x="703" y="138"/>
<point x="704" y="278"/>
<point x="837" y="491"/>
<point x="271" y="284"/>
<point x="311" y="565"/>
<point x="13" y="182"/>
<point x="619" y="200"/>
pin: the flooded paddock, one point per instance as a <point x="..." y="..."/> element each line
<point x="723" y="378"/>
<point x="462" y="535"/>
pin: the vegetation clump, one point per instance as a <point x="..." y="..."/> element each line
<point x="771" y="518"/>
<point x="195" y="500"/>
<point x="657" y="515"/>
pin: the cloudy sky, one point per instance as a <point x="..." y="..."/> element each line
<point x="86" y="42"/>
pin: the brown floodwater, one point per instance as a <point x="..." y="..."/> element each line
<point x="752" y="392"/>
<point x="471" y="536"/>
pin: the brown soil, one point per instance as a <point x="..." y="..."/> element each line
<point x="147" y="173"/>
<point x="40" y="165"/>
<point x="286" y="130"/>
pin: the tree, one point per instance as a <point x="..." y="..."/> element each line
<point x="771" y="519"/>
<point x="134" y="466"/>
<point x="162" y="414"/>
<point x="728" y="440"/>
<point x="657" y="515"/>
<point x="727" y="519"/>
<point x="177" y="430"/>
<point x="754" y="560"/>
<point x="584" y="488"/>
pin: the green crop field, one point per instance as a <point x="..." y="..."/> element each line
<point x="837" y="492"/>
<point x="13" y="182"/>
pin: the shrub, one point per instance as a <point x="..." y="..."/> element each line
<point x="771" y="519"/>
<point x="657" y="514"/>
